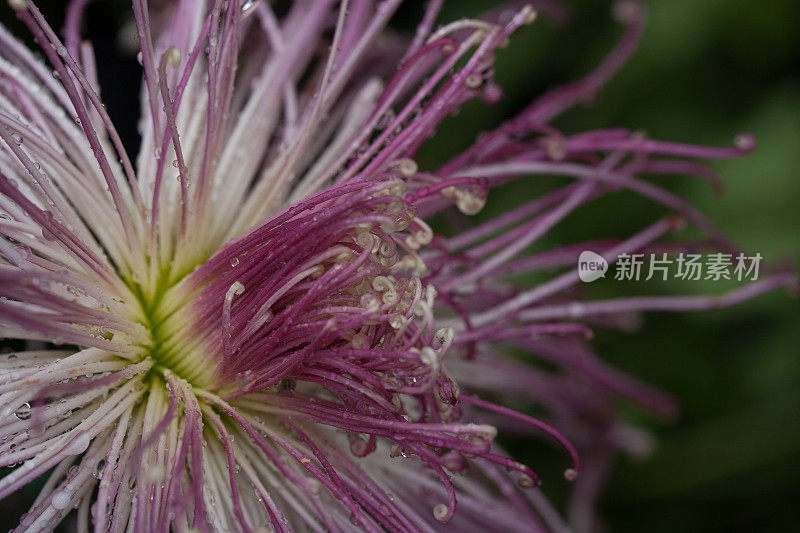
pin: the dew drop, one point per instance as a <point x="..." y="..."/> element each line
<point x="60" y="500"/>
<point x="744" y="141"/>
<point x="98" y="469"/>
<point x="244" y="380"/>
<point x="23" y="412"/>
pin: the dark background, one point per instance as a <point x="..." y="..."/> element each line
<point x="706" y="70"/>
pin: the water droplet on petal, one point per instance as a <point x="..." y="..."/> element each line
<point x="744" y="141"/>
<point x="23" y="412"/>
<point x="60" y="500"/>
<point x="98" y="469"/>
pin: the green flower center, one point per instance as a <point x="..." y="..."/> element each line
<point x="164" y="311"/>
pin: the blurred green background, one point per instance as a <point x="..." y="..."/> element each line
<point x="706" y="70"/>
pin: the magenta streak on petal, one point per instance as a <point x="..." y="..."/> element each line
<point x="45" y="37"/>
<point x="72" y="25"/>
<point x="170" y="133"/>
<point x="172" y="126"/>
<point x="142" y="20"/>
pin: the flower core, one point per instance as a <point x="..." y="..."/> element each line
<point x="162" y="313"/>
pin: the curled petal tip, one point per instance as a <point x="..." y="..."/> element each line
<point x="442" y="512"/>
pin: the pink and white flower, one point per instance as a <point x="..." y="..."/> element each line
<point x="251" y="326"/>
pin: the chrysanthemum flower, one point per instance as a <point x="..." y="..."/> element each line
<point x="252" y="327"/>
